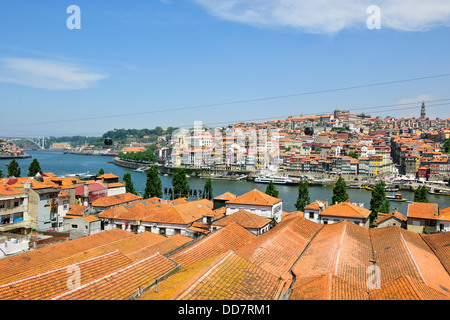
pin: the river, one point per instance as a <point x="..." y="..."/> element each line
<point x="63" y="164"/>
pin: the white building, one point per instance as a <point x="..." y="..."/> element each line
<point x="258" y="203"/>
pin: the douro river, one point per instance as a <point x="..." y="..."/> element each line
<point x="63" y="164"/>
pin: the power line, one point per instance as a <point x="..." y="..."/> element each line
<point x="312" y="114"/>
<point x="232" y="102"/>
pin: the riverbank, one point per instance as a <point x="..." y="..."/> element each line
<point x="63" y="164"/>
<point x="10" y="157"/>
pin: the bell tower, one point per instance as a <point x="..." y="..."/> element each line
<point x="422" y="110"/>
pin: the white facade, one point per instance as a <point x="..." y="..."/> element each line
<point x="270" y="212"/>
<point x="116" y="191"/>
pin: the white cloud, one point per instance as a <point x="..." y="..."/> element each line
<point x="330" y="16"/>
<point x="418" y="100"/>
<point x="47" y="74"/>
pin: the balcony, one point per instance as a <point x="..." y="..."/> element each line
<point x="13" y="210"/>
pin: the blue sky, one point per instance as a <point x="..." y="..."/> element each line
<point x="136" y="57"/>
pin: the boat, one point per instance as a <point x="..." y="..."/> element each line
<point x="284" y="180"/>
<point x="367" y="188"/>
<point x="391" y="189"/>
<point x="142" y="169"/>
<point x="396" y="197"/>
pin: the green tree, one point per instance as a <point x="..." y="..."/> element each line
<point x="208" y="190"/>
<point x="378" y="203"/>
<point x="34" y="168"/>
<point x="129" y="187"/>
<point x="446" y="146"/>
<point x="1" y="174"/>
<point x="180" y="184"/>
<point x="353" y="154"/>
<point x="153" y="188"/>
<point x="13" y="169"/>
<point x="303" y="196"/>
<point x="339" y="192"/>
<point x="271" y="190"/>
<point x="421" y="194"/>
<point x="101" y="172"/>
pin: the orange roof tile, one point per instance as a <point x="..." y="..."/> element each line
<point x="421" y="210"/>
<point x="255" y="197"/>
<point x="115" y="200"/>
<point x="231" y="237"/>
<point x="231" y="277"/>
<point x="243" y="218"/>
<point x="346" y="209"/>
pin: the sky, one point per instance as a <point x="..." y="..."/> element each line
<point x="141" y="64"/>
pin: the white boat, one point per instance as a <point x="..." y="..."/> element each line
<point x="276" y="180"/>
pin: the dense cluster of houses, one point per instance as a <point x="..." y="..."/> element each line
<point x="341" y="143"/>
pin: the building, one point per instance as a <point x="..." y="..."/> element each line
<point x="345" y="211"/>
<point x="250" y="221"/>
<point x="257" y="202"/>
<point x="444" y="220"/>
<point x="81" y="226"/>
<point x="393" y="218"/>
<point x="221" y="200"/>
<point x="89" y="192"/>
<point x="422" y="217"/>
<point x="314" y="210"/>
<point x="158" y="216"/>
<point x="108" y="202"/>
<point x="13" y="209"/>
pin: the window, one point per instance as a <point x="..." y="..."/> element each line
<point x="325" y="221"/>
<point x="74" y="226"/>
<point x="311" y="215"/>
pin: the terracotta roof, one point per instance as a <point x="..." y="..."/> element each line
<point x="327" y="287"/>
<point x="406" y="288"/>
<point x="243" y="218"/>
<point x="9" y="191"/>
<point x="76" y="210"/>
<point x="315" y="205"/>
<point x="423" y="210"/>
<point x="226" y="196"/>
<point x="276" y="250"/>
<point x="255" y="197"/>
<point x="439" y="244"/>
<point x="90" y="218"/>
<point x="26" y="262"/>
<point x="122" y="283"/>
<point x="404" y="253"/>
<point x="231" y="277"/>
<point x="115" y="200"/>
<point x="444" y="214"/>
<point x="107" y="176"/>
<point x="342" y="249"/>
<point x="230" y="237"/>
<point x="393" y="214"/>
<point x="346" y="209"/>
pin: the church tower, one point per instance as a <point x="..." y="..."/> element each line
<point x="422" y="110"/>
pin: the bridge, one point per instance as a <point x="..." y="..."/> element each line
<point x="39" y="142"/>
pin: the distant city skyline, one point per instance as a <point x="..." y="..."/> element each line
<point x="167" y="63"/>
